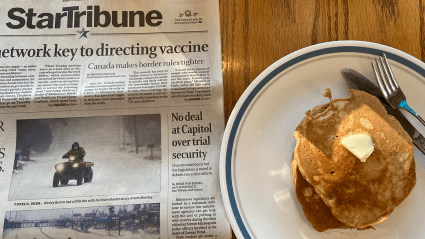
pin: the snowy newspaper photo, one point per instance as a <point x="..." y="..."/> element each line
<point x="111" y="119"/>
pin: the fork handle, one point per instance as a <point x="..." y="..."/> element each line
<point x="419" y="141"/>
<point x="406" y="107"/>
<point x="417" y="116"/>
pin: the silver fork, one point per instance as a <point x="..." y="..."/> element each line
<point x="389" y="86"/>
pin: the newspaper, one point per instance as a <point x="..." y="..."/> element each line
<point x="111" y="119"/>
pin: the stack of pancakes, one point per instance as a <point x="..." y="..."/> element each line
<point x="336" y="189"/>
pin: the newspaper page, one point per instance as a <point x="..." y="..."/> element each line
<point x="111" y="119"/>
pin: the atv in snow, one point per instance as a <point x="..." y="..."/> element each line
<point x="74" y="169"/>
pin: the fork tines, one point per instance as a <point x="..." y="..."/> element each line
<point x="384" y="75"/>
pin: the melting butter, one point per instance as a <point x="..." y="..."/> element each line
<point x="361" y="145"/>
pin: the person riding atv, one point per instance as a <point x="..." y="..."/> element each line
<point x="77" y="151"/>
<point x="76" y="168"/>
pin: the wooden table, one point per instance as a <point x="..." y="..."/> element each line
<point x="256" y="33"/>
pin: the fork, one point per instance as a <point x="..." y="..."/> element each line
<point x="389" y="86"/>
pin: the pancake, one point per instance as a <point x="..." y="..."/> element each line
<point x="359" y="194"/>
<point x="315" y="210"/>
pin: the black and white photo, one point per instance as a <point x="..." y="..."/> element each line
<point x="87" y="156"/>
<point x="114" y="221"/>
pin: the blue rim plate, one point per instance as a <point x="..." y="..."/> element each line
<point x="255" y="177"/>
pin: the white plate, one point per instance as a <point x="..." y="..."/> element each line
<point x="255" y="174"/>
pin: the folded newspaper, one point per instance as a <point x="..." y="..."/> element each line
<point x="111" y="119"/>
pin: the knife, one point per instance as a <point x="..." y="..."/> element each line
<point x="363" y="84"/>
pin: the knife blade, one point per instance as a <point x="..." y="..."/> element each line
<point x="360" y="82"/>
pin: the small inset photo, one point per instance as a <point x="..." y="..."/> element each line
<point x="115" y="221"/>
<point x="87" y="156"/>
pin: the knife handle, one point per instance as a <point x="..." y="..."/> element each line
<point x="419" y="140"/>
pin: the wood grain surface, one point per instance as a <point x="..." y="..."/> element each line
<point x="256" y="33"/>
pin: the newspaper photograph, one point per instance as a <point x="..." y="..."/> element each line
<point x="111" y="120"/>
<point x="133" y="221"/>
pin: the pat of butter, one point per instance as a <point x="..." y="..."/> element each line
<point x="361" y="145"/>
